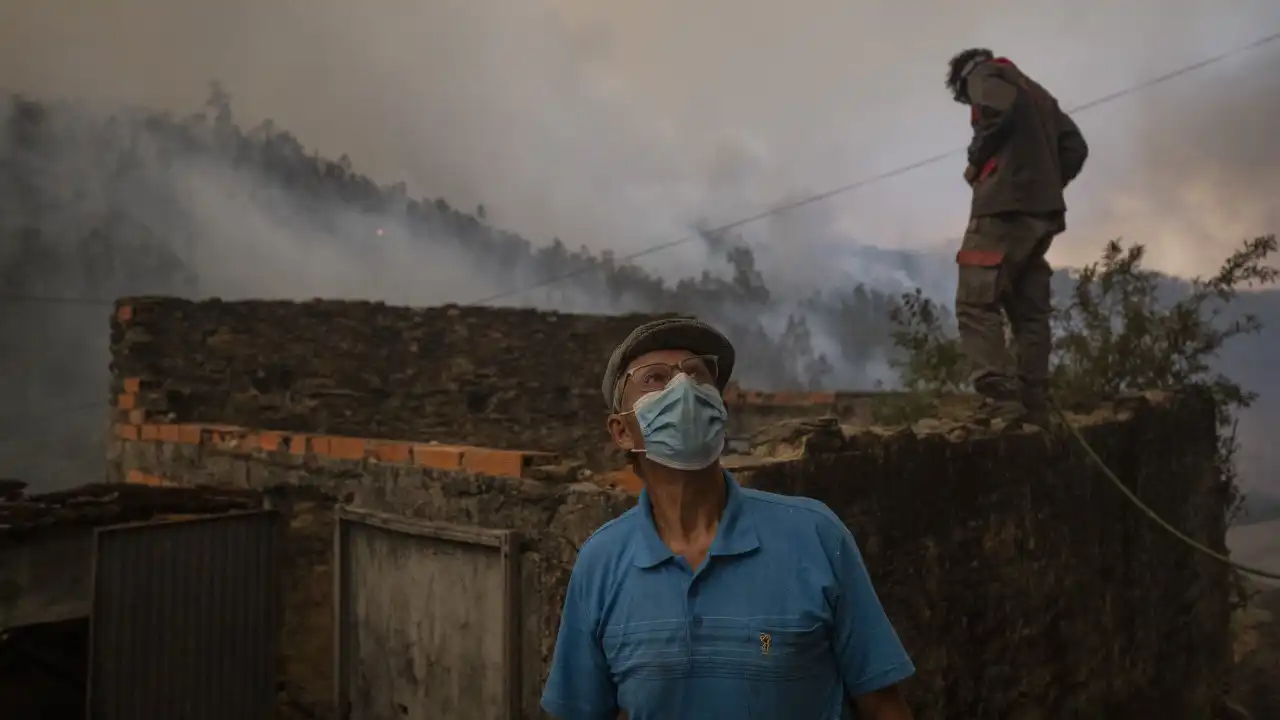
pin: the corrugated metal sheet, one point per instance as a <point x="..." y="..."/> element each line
<point x="186" y="619"/>
<point x="427" y="620"/>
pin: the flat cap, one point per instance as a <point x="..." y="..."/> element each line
<point x="695" y="336"/>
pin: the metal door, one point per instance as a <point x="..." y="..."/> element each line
<point x="426" y="618"/>
<point x="186" y="618"/>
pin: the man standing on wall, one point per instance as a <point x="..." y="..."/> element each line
<point x="1025" y="151"/>
<point x="709" y="600"/>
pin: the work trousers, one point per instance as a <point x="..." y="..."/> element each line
<point x="1003" y="273"/>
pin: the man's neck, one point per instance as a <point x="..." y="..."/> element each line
<point x="686" y="505"/>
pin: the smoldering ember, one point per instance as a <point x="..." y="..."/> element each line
<point x="346" y="509"/>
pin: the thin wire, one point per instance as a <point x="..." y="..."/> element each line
<point x="877" y="178"/>
<point x="1152" y="514"/>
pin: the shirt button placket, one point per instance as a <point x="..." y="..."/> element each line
<point x="692" y="619"/>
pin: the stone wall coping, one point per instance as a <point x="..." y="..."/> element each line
<point x="240" y="440"/>
<point x="133" y="424"/>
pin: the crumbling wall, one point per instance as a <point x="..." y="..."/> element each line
<point x="1015" y="574"/>
<point x="495" y="377"/>
<point x="498" y="377"/>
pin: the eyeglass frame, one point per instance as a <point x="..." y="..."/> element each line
<point x="626" y="376"/>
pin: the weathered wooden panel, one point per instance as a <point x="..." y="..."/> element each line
<point x="186" y="619"/>
<point x="426" y="620"/>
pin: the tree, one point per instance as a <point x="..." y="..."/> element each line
<point x="1124" y="328"/>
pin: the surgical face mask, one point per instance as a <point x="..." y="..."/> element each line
<point x="683" y="424"/>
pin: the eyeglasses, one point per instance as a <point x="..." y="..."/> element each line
<point x="656" y="376"/>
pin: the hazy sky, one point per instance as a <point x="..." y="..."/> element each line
<point x="617" y="124"/>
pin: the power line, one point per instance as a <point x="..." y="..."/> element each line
<point x="882" y="176"/>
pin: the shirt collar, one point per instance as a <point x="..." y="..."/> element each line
<point x="736" y="534"/>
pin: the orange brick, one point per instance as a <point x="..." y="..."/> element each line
<point x="346" y="448"/>
<point x="319" y="445"/>
<point x="137" y="417"/>
<point x="443" y="457"/>
<point x="298" y="444"/>
<point x="126" y="401"/>
<point x="137" y="477"/>
<point x="132" y="385"/>
<point x="150" y="432"/>
<point x="232" y="438"/>
<point x="269" y="441"/>
<point x="391" y="451"/>
<point x="126" y="432"/>
<point x="189" y="434"/>
<point x="505" y="463"/>
<point x="170" y="434"/>
<point x="124" y="313"/>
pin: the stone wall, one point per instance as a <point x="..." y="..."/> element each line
<point x="498" y="377"/>
<point x="495" y="377"/>
<point x="1016" y="575"/>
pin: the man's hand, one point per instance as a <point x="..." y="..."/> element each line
<point x="970" y="175"/>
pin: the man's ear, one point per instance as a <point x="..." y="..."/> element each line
<point x="621" y="432"/>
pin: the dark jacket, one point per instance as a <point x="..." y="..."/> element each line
<point x="1025" y="148"/>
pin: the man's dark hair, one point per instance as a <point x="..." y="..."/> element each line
<point x="956" y="70"/>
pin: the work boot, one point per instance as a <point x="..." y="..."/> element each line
<point x="1008" y="410"/>
<point x="1000" y="401"/>
<point x="1036" y="401"/>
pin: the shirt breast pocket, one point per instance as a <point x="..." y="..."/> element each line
<point x="794" y="671"/>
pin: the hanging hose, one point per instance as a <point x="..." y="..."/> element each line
<point x="1151" y="513"/>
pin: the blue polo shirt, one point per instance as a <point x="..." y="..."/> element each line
<point x="780" y="622"/>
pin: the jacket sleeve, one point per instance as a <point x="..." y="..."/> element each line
<point x="992" y="98"/>
<point x="1072" y="149"/>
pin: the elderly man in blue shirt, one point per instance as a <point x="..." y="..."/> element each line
<point x="709" y="600"/>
